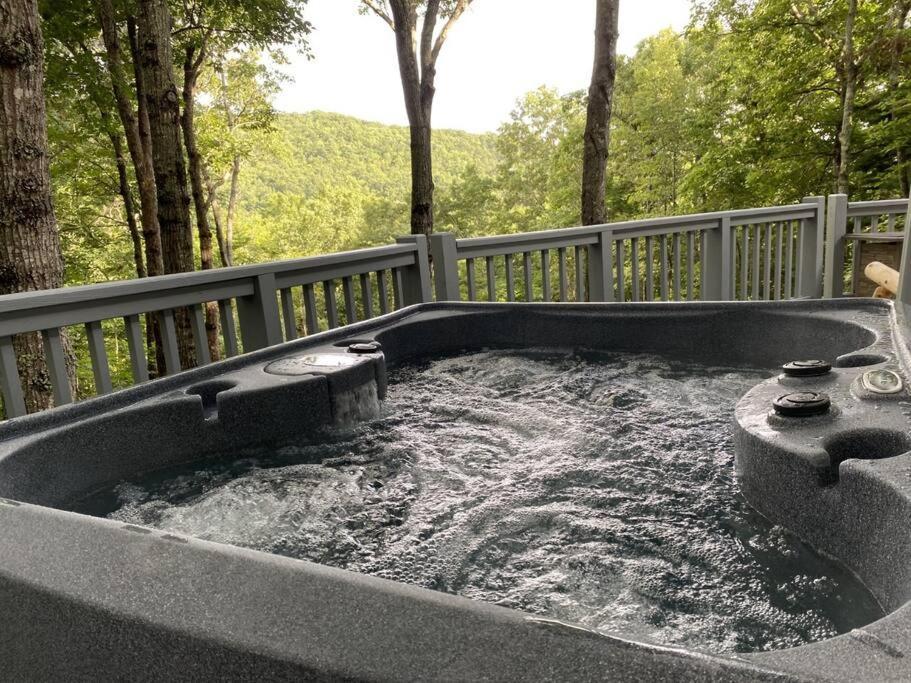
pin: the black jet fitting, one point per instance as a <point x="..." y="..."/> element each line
<point x="802" y="404"/>
<point x="806" y="368"/>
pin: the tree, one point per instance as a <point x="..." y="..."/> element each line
<point x="136" y="132"/>
<point x="30" y="255"/>
<point x="237" y="121"/>
<point x="417" y="68"/>
<point x="597" y="122"/>
<point x="801" y="73"/>
<point x="162" y="105"/>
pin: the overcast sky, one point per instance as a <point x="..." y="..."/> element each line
<point x="498" y="50"/>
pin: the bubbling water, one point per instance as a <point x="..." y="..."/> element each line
<point x="588" y="487"/>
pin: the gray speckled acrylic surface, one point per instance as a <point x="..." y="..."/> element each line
<point x="87" y="598"/>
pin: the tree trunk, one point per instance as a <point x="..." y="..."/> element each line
<point x="140" y="155"/>
<point x="226" y="237"/>
<point x="212" y="201"/>
<point x="192" y="62"/>
<point x="162" y="105"/>
<point x="418" y="90"/>
<point x="123" y="183"/>
<point x="899" y="17"/>
<point x="30" y="257"/>
<point x="136" y="132"/>
<point x="597" y="121"/>
<point x="421" y="180"/>
<point x="849" y="69"/>
<point x="232" y="209"/>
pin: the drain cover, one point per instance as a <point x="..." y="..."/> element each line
<point x="806" y="368"/>
<point x="365" y="347"/>
<point x="314" y="362"/>
<point x="802" y="404"/>
<point x="882" y="381"/>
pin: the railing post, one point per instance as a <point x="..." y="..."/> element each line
<point x="416" y="278"/>
<point x="600" y="272"/>
<point x="260" y="325"/>
<point x="836" y="227"/>
<point x="810" y="247"/>
<point x="904" y="283"/>
<point x="445" y="266"/>
<point x="718" y="263"/>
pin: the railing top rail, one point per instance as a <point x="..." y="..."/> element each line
<point x="202" y="281"/>
<point x="528" y="241"/>
<point x="877" y="207"/>
<point x="772" y="213"/>
<point x="891" y="236"/>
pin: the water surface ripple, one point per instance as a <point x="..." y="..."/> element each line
<point x="589" y="487"/>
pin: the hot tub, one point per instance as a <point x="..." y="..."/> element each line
<point x="86" y="596"/>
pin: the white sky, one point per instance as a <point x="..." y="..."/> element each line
<point x="496" y="52"/>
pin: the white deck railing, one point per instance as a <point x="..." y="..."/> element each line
<point x="749" y="254"/>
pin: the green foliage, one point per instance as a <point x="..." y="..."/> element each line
<point x="327" y="182"/>
<point x="742" y="109"/>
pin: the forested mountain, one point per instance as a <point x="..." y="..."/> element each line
<point x="756" y="102"/>
<point x="317" y="150"/>
<point x="743" y="108"/>
<point x="326" y="181"/>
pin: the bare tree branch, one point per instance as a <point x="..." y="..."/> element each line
<point x="379" y="11"/>
<point x="427" y="29"/>
<point x="457" y="11"/>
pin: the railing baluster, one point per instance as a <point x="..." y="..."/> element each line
<point x="331" y="304"/>
<point x="510" y="278"/>
<point x="228" y="331"/>
<point x="890" y="222"/>
<point x="789" y="267"/>
<point x="397" y="287"/>
<point x="289" y="317"/>
<point x="469" y="278"/>
<point x="366" y="295"/>
<point x="634" y="256"/>
<point x="621" y="271"/>
<point x="675" y="252"/>
<point x="139" y="364"/>
<point x="755" y="293"/>
<point x="198" y="328"/>
<point x="580" y="285"/>
<point x="662" y="253"/>
<point x="311" y="315"/>
<point x="546" y="294"/>
<point x="561" y="272"/>
<point x="169" y="342"/>
<point x="56" y="366"/>
<point x="779" y="236"/>
<point x="854" y="245"/>
<point x="874" y="224"/>
<point x="649" y="268"/>
<point x="99" y="357"/>
<point x="491" y="266"/>
<point x="350" y="304"/>
<point x="526" y="269"/>
<point x="10" y="383"/>
<point x="382" y="290"/>
<point x="690" y="264"/>
<point x="767" y="265"/>
<point x="744" y="261"/>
